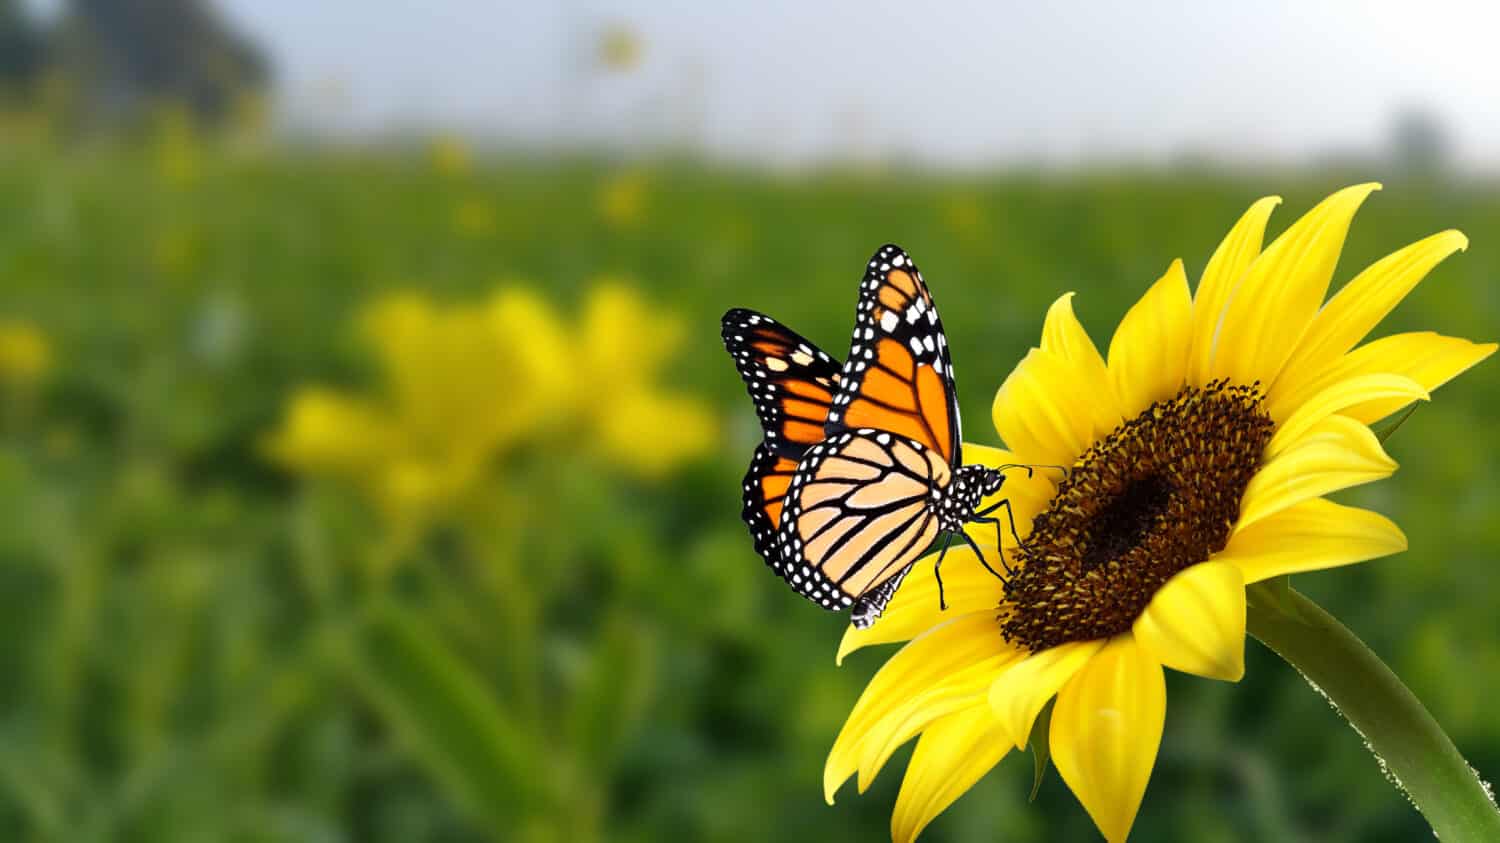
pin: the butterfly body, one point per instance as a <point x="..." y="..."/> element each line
<point x="860" y="468"/>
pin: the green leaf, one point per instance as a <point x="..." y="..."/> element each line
<point x="448" y="719"/>
<point x="1041" y="748"/>
<point x="1386" y="432"/>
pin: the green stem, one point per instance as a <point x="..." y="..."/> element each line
<point x="1397" y="727"/>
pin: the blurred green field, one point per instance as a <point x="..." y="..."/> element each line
<point x="203" y="643"/>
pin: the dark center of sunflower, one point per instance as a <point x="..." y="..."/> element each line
<point x="1158" y="495"/>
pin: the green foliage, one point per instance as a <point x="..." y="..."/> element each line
<point x="196" y="645"/>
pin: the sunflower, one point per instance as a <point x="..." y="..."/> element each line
<point x="1199" y="448"/>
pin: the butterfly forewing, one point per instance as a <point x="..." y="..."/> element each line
<point x="791" y="381"/>
<point x="898" y="376"/>
<point x="857" y="514"/>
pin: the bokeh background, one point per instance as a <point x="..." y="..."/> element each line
<point x="369" y="464"/>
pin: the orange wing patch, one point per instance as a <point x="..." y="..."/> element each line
<point x="899" y="396"/>
<point x="791" y="381"/>
<point x="898" y="376"/>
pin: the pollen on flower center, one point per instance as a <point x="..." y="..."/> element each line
<point x="1156" y="496"/>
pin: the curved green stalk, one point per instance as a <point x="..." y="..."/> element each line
<point x="1405" y="738"/>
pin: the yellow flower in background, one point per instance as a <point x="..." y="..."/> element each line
<point x="474" y="217"/>
<point x="450" y="156"/>
<point x="25" y="353"/>
<point x="176" y="146"/>
<point x="327" y="432"/>
<point x="623" y="345"/>
<point x="964" y="216"/>
<point x="622" y="198"/>
<point x="620" y="48"/>
<point x="1200" y="447"/>
<point x="462" y="386"/>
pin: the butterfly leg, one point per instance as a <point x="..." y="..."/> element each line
<point x="937" y="571"/>
<point x="1010" y="516"/>
<point x="980" y="554"/>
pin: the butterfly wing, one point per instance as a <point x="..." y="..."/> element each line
<point x="765" y="487"/>
<point x="898" y="376"/>
<point x="856" y="516"/>
<point x="791" y="381"/>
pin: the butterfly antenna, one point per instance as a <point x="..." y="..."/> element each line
<point x="1031" y="466"/>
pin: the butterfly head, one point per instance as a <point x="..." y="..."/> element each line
<point x="971" y="483"/>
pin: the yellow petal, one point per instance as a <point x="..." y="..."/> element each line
<point x="1048" y="413"/>
<point x="1429" y="359"/>
<point x="1355" y="310"/>
<point x="1018" y="694"/>
<point x="1340" y="396"/>
<point x="1283" y="290"/>
<point x="1444" y="362"/>
<point x="1220" y="279"/>
<point x="1106" y="729"/>
<point x="1311" y="536"/>
<point x="953" y="754"/>
<point x="1196" y="622"/>
<point x="964" y="641"/>
<point x="1148" y="354"/>
<point x="913" y="610"/>
<point x="957" y="691"/>
<point x="1336" y="453"/>
<point x="1063" y="335"/>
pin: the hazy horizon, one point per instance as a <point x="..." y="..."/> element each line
<point x="956" y="86"/>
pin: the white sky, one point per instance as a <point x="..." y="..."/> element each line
<point x="948" y="82"/>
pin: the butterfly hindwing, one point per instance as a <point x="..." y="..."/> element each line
<point x="791" y="381"/>
<point x="857" y="515"/>
<point x="765" y="487"/>
<point x="899" y="375"/>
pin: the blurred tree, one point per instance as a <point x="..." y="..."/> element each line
<point x="126" y="55"/>
<point x="1420" y="143"/>
<point x="21" y="53"/>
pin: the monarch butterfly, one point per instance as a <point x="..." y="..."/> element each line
<point x="861" y="466"/>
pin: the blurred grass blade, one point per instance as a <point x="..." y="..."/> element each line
<point x="1041" y="749"/>
<point x="448" y="719"/>
<point x="611" y="696"/>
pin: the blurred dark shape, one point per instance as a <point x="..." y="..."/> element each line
<point x="21" y="47"/>
<point x="1420" y="143"/>
<point x="125" y="56"/>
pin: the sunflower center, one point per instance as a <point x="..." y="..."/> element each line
<point x="1156" y="496"/>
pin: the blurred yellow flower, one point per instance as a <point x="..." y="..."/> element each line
<point x="463" y="386"/>
<point x="622" y="198"/>
<point x="624" y="344"/>
<point x="474" y="217"/>
<point x="450" y="156"/>
<point x="25" y="354"/>
<point x="620" y="48"/>
<point x="964" y="216"/>
<point x="175" y="146"/>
